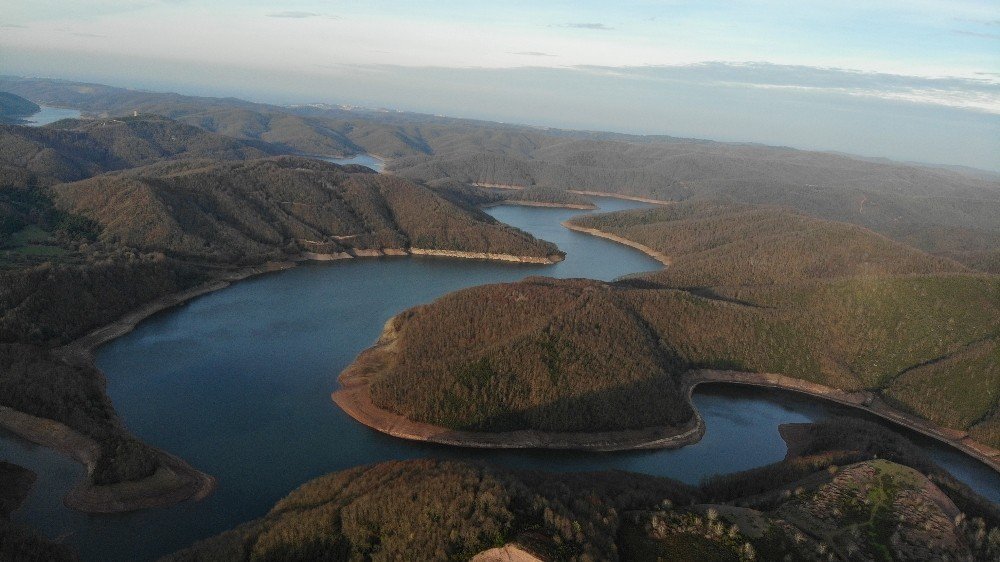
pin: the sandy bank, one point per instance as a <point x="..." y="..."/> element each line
<point x="510" y="552"/>
<point x="660" y="257"/>
<point x="173" y="482"/>
<point x="514" y="187"/>
<point x="577" y="206"/>
<point x="649" y="200"/>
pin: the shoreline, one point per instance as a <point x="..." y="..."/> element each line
<point x="658" y="256"/>
<point x="514" y="187"/>
<point x="175" y="481"/>
<point x="354" y="397"/>
<point x="80" y="350"/>
<point x="575" y="206"/>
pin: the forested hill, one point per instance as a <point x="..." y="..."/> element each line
<point x="941" y="211"/>
<point x="182" y="208"/>
<point x="848" y="491"/>
<point x="761" y="290"/>
<point x="246" y="212"/>
<point x="14" y="108"/>
<point x="74" y="149"/>
<point x="715" y="244"/>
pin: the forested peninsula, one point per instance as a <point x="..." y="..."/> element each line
<point x="832" y="307"/>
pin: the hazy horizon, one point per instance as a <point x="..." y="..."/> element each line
<point x="917" y="81"/>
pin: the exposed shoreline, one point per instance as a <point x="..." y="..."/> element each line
<point x="658" y="256"/>
<point x="175" y="481"/>
<point x="354" y="397"/>
<point x="576" y="206"/>
<point x="514" y="187"/>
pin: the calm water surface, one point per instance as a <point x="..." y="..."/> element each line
<point x="237" y="383"/>
<point x="51" y="115"/>
<point x="372" y="162"/>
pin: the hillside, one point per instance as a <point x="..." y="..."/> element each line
<point x="832" y="503"/>
<point x="76" y="149"/>
<point x="268" y="209"/>
<point x="572" y="356"/>
<point x="750" y="289"/>
<point x="14" y="107"/>
<point x="112" y="249"/>
<point x="712" y="244"/>
<point x="945" y="212"/>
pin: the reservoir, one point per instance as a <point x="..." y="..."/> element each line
<point x="51" y="115"/>
<point x="238" y="383"/>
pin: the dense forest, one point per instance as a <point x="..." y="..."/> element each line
<point x="13" y="108"/>
<point x="75" y="149"/>
<point x="247" y="212"/>
<point x="941" y="211"/>
<point x="713" y="244"/>
<point x="750" y="289"/>
<point x="828" y="501"/>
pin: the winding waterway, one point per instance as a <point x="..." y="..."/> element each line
<point x="237" y="383"/>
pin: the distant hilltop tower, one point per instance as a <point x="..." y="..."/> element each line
<point x="135" y="113"/>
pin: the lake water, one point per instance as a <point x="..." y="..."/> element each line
<point x="237" y="383"/>
<point x="51" y="115"/>
<point x="372" y="162"/>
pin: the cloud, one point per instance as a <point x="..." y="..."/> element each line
<point x="13" y="26"/>
<point x="92" y="35"/>
<point x="591" y="26"/>
<point x="293" y="14"/>
<point x="993" y="36"/>
<point x="533" y="54"/>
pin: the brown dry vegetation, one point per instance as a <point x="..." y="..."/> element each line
<point x="77" y="256"/>
<point x="750" y="289"/>
<point x="265" y="209"/>
<point x="454" y="510"/>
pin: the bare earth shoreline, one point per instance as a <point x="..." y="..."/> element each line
<point x="175" y="481"/>
<point x="354" y="398"/>
<point x="178" y="481"/>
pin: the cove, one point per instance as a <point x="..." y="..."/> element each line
<point x="237" y="383"/>
<point x="50" y="115"/>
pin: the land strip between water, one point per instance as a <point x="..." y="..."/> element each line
<point x="354" y="397"/>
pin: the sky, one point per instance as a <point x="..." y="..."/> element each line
<point x="907" y="79"/>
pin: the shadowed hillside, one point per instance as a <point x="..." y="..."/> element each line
<point x="827" y="501"/>
<point x="14" y="108"/>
